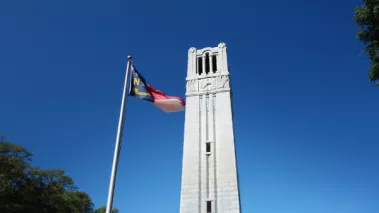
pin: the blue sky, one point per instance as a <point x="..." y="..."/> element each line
<point x="306" y="117"/>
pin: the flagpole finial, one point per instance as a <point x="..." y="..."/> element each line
<point x="130" y="57"/>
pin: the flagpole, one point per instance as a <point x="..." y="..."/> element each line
<point x="118" y="139"/>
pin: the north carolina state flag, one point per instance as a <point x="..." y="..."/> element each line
<point x="140" y="89"/>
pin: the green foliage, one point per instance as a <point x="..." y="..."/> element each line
<point x="26" y="188"/>
<point x="367" y="17"/>
<point x="103" y="209"/>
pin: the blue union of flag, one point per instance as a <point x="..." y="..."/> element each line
<point x="139" y="87"/>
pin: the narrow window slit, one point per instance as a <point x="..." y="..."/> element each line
<point x="208" y="147"/>
<point x="209" y="206"/>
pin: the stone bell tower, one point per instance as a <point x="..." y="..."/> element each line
<point x="209" y="173"/>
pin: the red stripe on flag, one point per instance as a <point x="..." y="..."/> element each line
<point x="165" y="102"/>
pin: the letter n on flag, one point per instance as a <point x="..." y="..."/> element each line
<point x="141" y="89"/>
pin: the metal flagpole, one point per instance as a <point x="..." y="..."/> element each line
<point x="118" y="138"/>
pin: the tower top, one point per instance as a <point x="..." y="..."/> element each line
<point x="207" y="62"/>
<point x="207" y="49"/>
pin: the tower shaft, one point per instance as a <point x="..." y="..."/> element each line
<point x="209" y="170"/>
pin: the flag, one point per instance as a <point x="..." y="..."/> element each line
<point x="141" y="89"/>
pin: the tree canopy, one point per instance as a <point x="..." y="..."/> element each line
<point x="103" y="209"/>
<point x="367" y="17"/>
<point x="27" y="188"/>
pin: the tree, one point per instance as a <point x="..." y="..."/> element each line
<point x="26" y="188"/>
<point x="367" y="17"/>
<point x="103" y="209"/>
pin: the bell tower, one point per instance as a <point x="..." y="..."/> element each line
<point x="209" y="170"/>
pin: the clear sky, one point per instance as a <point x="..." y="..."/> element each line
<point x="306" y="117"/>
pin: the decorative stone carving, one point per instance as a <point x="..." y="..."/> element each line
<point x="207" y="84"/>
<point x="191" y="86"/>
<point x="223" y="82"/>
<point x="192" y="50"/>
<point x="222" y="45"/>
<point x="212" y="84"/>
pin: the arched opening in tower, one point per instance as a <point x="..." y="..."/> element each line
<point x="214" y="63"/>
<point x="200" y="65"/>
<point x="207" y="66"/>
